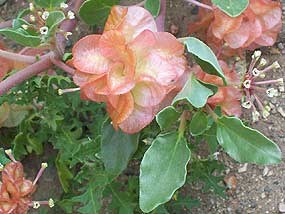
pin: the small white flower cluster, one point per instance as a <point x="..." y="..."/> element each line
<point x="251" y="86"/>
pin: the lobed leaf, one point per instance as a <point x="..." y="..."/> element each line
<point x="199" y="123"/>
<point x="49" y="3"/>
<point x="232" y="8"/>
<point x="166" y="117"/>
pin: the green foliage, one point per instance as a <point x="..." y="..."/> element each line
<point x="54" y="19"/>
<point x="21" y="36"/>
<point x="163" y="170"/>
<point x="245" y="144"/>
<point x="49" y="4"/>
<point x="153" y="6"/>
<point x="3" y="159"/>
<point x="232" y="8"/>
<point x="208" y="172"/>
<point x="167" y="117"/>
<point x="204" y="57"/>
<point x="117" y="148"/>
<point x="199" y="123"/>
<point x="95" y="12"/>
<point x="194" y="92"/>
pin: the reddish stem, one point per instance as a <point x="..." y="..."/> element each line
<point x="62" y="65"/>
<point x="26" y="73"/>
<point x="17" y="57"/>
<point x="160" y="20"/>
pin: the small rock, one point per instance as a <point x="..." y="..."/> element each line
<point x="281" y="207"/>
<point x="265" y="171"/>
<point x="270" y="173"/>
<point x="281" y="111"/>
<point x="243" y="168"/>
<point x="280" y="46"/>
<point x="263" y="195"/>
<point x="231" y="182"/>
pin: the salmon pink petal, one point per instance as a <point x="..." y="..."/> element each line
<point x="81" y="78"/>
<point x="239" y="37"/>
<point x="269" y="37"/>
<point x="120" y="79"/>
<point x="26" y="188"/>
<point x="133" y="23"/>
<point x="120" y="108"/>
<point x="7" y="207"/>
<point x="139" y="119"/>
<point x="160" y="56"/>
<point x="148" y="92"/>
<point x="224" y="24"/>
<point x="116" y="17"/>
<point x="94" y="90"/>
<point x="87" y="56"/>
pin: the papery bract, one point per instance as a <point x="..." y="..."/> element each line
<point x="228" y="97"/>
<point x="5" y="64"/>
<point x="131" y="67"/>
<point x="257" y="26"/>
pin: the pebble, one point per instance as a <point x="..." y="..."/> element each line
<point x="243" y="168"/>
<point x="263" y="195"/>
<point x="281" y="207"/>
<point x="265" y="171"/>
<point x="281" y="111"/>
<point x="280" y="46"/>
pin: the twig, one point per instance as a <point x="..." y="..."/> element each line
<point x="62" y="65"/>
<point x="26" y="73"/>
<point x="160" y="20"/>
<point x="199" y="4"/>
<point x="17" y="57"/>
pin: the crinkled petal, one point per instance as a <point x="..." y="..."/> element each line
<point x="120" y="107"/>
<point x="148" y="92"/>
<point x="224" y="24"/>
<point x="120" y="79"/>
<point x="87" y="56"/>
<point x="26" y="188"/>
<point x="131" y="24"/>
<point x="238" y="38"/>
<point x="268" y="38"/>
<point x="81" y="78"/>
<point x="139" y="119"/>
<point x="160" y="56"/>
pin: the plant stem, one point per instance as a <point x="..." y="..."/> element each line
<point x="26" y="73"/>
<point x="17" y="57"/>
<point x="199" y="4"/>
<point x="211" y="113"/>
<point x="182" y="125"/>
<point x="160" y="20"/>
<point x="62" y="65"/>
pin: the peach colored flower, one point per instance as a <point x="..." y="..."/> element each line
<point x="257" y="26"/>
<point x="5" y="64"/>
<point x="228" y="97"/>
<point x="16" y="191"/>
<point x="131" y="67"/>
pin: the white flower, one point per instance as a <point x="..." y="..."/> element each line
<point x="262" y="62"/>
<point x="265" y="113"/>
<point x="44" y="30"/>
<point x="256" y="55"/>
<point x="255" y="116"/>
<point x="272" y="92"/>
<point x="246" y="104"/>
<point x="32" y="18"/>
<point x="36" y="204"/>
<point x="31" y="6"/>
<point x="70" y="15"/>
<point x="247" y="83"/>
<point x="51" y="203"/>
<point x="25" y="27"/>
<point x="276" y="65"/>
<point x="63" y="5"/>
<point x="45" y="15"/>
<point x="255" y="72"/>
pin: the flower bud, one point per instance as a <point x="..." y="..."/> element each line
<point x="247" y="84"/>
<point x="63" y="5"/>
<point x="272" y="92"/>
<point x="246" y="104"/>
<point x="255" y="72"/>
<point x="276" y="65"/>
<point x="262" y="62"/>
<point x="256" y="54"/>
<point x="45" y="15"/>
<point x="70" y="15"/>
<point x="31" y="7"/>
<point x="255" y="116"/>
<point x="32" y="18"/>
<point x="44" y="30"/>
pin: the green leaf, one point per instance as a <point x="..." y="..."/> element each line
<point x="212" y="87"/>
<point x="194" y="92"/>
<point x="245" y="144"/>
<point x="20" y="37"/>
<point x="199" y="123"/>
<point x="211" y="139"/>
<point x="163" y="170"/>
<point x="166" y="117"/>
<point x="48" y="3"/>
<point x="232" y="8"/>
<point x="117" y="148"/>
<point x="153" y="6"/>
<point x="204" y="56"/>
<point x="3" y="158"/>
<point x="54" y="19"/>
<point x="95" y="12"/>
<point x="64" y="174"/>
<point x="36" y="144"/>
